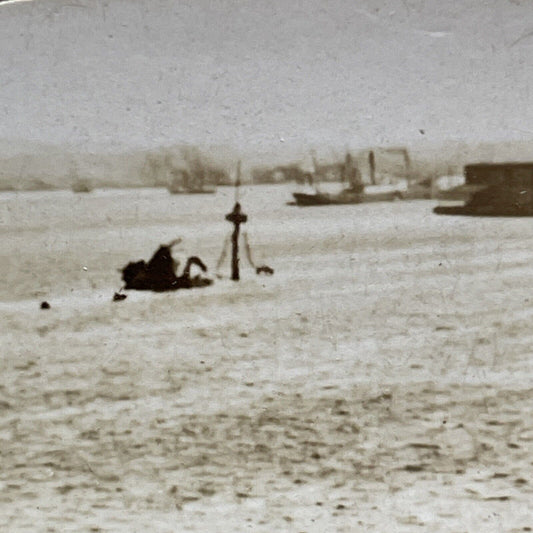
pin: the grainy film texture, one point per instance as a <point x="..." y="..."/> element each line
<point x="266" y="266"/>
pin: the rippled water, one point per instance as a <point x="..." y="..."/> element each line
<point x="380" y="380"/>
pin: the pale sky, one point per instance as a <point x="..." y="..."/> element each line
<point x="123" y="73"/>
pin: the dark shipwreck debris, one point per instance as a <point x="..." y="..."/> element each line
<point x="264" y="270"/>
<point x="118" y="297"/>
<point x="159" y="274"/>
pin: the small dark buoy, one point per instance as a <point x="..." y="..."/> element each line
<point x="118" y="297"/>
<point x="45" y="305"/>
<point x="264" y="270"/>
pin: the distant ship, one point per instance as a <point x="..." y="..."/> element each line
<point x="347" y="196"/>
<point x="192" y="181"/>
<point x="178" y="188"/>
<point x="356" y="192"/>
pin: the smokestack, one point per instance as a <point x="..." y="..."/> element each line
<point x="372" y="164"/>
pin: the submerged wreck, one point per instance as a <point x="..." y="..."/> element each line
<point x="159" y="274"/>
<point x="495" y="189"/>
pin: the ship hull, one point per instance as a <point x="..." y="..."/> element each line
<point x="494" y="201"/>
<point x="344" y="198"/>
<point x="192" y="191"/>
<point x="483" y="211"/>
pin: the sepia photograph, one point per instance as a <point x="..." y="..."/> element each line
<point x="266" y="266"/>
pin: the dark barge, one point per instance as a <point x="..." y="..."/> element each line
<point x="497" y="189"/>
